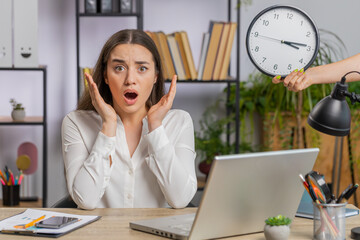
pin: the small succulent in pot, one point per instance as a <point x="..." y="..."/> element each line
<point x="18" y="112"/>
<point x="277" y="228"/>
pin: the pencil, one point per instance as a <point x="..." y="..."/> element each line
<point x="2" y="182"/>
<point x="20" y="178"/>
<point x="2" y="176"/>
<point x="32" y="223"/>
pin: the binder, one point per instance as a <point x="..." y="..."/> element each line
<point x="11" y="225"/>
<point x="5" y="33"/>
<point x="26" y="33"/>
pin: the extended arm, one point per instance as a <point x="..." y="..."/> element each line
<point x="329" y="73"/>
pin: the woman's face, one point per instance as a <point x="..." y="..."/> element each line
<point x="131" y="75"/>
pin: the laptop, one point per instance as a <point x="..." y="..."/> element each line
<point x="242" y="191"/>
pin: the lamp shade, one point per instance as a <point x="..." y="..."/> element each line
<point x="331" y="116"/>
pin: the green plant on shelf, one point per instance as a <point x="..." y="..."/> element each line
<point x="15" y="105"/>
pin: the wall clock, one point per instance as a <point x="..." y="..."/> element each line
<point x="281" y="39"/>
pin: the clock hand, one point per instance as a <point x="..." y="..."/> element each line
<point x="282" y="41"/>
<point x="289" y="44"/>
<point x="295" y="43"/>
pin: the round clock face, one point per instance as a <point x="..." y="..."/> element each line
<point x="281" y="39"/>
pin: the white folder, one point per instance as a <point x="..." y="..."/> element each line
<point x="5" y="33"/>
<point x="26" y="33"/>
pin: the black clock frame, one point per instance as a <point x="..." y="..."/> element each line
<point x="292" y="8"/>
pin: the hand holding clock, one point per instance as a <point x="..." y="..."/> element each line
<point x="295" y="81"/>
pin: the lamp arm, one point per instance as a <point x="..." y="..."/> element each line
<point x="353" y="96"/>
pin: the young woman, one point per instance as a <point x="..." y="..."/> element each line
<point x="329" y="73"/>
<point x="123" y="147"/>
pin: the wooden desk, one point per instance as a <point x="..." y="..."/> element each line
<point x="114" y="224"/>
<point x="24" y="204"/>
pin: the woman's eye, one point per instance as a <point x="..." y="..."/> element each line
<point x="120" y="68"/>
<point x="142" y="69"/>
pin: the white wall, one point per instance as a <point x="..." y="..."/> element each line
<point x="57" y="50"/>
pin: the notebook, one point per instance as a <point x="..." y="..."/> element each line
<point x="242" y="190"/>
<point x="306" y="208"/>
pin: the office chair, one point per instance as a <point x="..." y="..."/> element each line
<point x="65" y="202"/>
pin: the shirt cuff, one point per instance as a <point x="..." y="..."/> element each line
<point x="104" y="144"/>
<point x="157" y="139"/>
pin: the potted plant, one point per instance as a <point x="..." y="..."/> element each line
<point x="214" y="136"/>
<point x="209" y="140"/>
<point x="18" y="112"/>
<point x="277" y="228"/>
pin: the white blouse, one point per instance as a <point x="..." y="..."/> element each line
<point x="160" y="173"/>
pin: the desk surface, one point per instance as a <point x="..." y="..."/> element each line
<point x="114" y="224"/>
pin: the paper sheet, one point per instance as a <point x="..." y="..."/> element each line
<point x="31" y="214"/>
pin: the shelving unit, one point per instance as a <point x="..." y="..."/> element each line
<point x="139" y="16"/>
<point x="31" y="121"/>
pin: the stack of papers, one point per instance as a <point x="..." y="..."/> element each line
<point x="11" y="225"/>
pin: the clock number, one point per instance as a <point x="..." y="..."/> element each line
<point x="275" y="66"/>
<point x="276" y="16"/>
<point x="301" y="23"/>
<point x="308" y="34"/>
<point x="256" y="48"/>
<point x="256" y="34"/>
<point x="264" y="58"/>
<point x="290" y="16"/>
<point x="289" y="67"/>
<point x="308" y="48"/>
<point x="266" y="22"/>
<point x="301" y="60"/>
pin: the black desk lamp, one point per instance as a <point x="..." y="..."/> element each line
<point x="332" y="116"/>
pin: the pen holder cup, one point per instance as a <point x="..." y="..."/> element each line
<point x="329" y="221"/>
<point x="11" y="195"/>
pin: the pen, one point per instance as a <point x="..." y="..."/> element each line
<point x="306" y="185"/>
<point x="343" y="193"/>
<point x="2" y="182"/>
<point x="32" y="223"/>
<point x="351" y="191"/>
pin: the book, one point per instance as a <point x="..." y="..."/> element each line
<point x="17" y="223"/>
<point x="91" y="6"/>
<point x="215" y="34"/>
<point x="219" y="60"/>
<point x="188" y="54"/>
<point x="204" y="47"/>
<point x="175" y="55"/>
<point x="227" y="54"/>
<point x="185" y="63"/>
<point x="157" y="43"/>
<point x="164" y="49"/>
<point x="306" y="208"/>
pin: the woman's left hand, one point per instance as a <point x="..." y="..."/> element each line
<point x="158" y="111"/>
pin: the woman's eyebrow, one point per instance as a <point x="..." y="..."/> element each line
<point x="123" y="61"/>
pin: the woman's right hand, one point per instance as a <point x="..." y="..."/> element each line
<point x="106" y="111"/>
<point x="295" y="81"/>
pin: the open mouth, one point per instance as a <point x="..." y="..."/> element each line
<point x="131" y="95"/>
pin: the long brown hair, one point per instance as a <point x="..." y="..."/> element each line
<point x="128" y="36"/>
